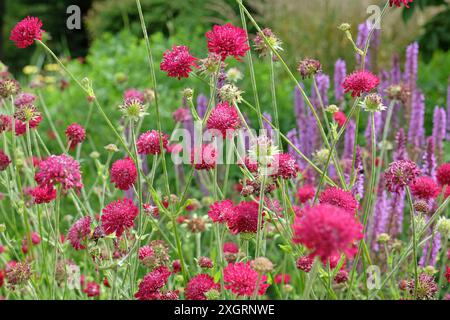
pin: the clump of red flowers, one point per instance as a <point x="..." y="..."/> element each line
<point x="75" y="134"/>
<point x="360" y="82"/>
<point x="149" y="142"/>
<point x="199" y="285"/>
<point x="245" y="218"/>
<point x="119" y="216"/>
<point x="26" y="31"/>
<point x="123" y="173"/>
<point x="219" y="211"/>
<point x="92" y="289"/>
<point x="327" y="231"/>
<point x="227" y="40"/>
<point x="43" y="193"/>
<point x="223" y="118"/>
<point x="284" y="166"/>
<point x="149" y="287"/>
<point x="242" y="280"/>
<point x="178" y="63"/>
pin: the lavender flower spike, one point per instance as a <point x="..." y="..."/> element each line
<point x="340" y="72"/>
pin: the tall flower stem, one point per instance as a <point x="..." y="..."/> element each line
<point x="414" y="240"/>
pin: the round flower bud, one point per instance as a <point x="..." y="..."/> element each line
<point x="344" y="27"/>
<point x="372" y="103"/>
<point x="383" y="238"/>
<point x="262" y="265"/>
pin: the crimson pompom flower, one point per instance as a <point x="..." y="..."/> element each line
<point x="306" y="193"/>
<point x="199" y="285"/>
<point x="35" y="238"/>
<point x="305" y="263"/>
<point x="447" y="274"/>
<point x="443" y="174"/>
<point x="283" y="278"/>
<point x="24" y="99"/>
<point x="79" y="232"/>
<point x="400" y="174"/>
<point x="62" y="169"/>
<point x="26" y="31"/>
<point x="178" y="63"/>
<point x="123" y="173"/>
<point x="134" y="94"/>
<point x="340" y="118"/>
<point x="327" y="231"/>
<point x="204" y="158"/>
<point x="119" y="216"/>
<point x="151" y="284"/>
<point x="2" y="278"/>
<point x="75" y="134"/>
<point x="145" y="252"/>
<point x="219" y="211"/>
<point x="92" y="289"/>
<point x="205" y="263"/>
<point x="242" y="280"/>
<point x="284" y="166"/>
<point x="339" y="198"/>
<point x="360" y="82"/>
<point x="230" y="247"/>
<point x="43" y="194"/>
<point x="227" y="40"/>
<point x="245" y="218"/>
<point x="425" y="188"/>
<point x="223" y="118"/>
<point x="181" y="115"/>
<point x="399" y="3"/>
<point x="148" y="142"/>
<point x="4" y="161"/>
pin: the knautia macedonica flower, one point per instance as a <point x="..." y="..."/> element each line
<point x="79" y="232"/>
<point x="443" y="174"/>
<point x="205" y="263"/>
<point x="123" y="173"/>
<point x="304" y="263"/>
<point x="119" y="216"/>
<point x="242" y="280"/>
<point x="182" y="115"/>
<point x="62" y="169"/>
<point x="327" y="231"/>
<point x="43" y="194"/>
<point x="151" y="284"/>
<point x="284" y="166"/>
<point x="27" y="113"/>
<point x="227" y="40"/>
<point x="9" y="87"/>
<point x="245" y="219"/>
<point x="305" y="193"/>
<point x="178" y="63"/>
<point x="133" y="109"/>
<point x="399" y="3"/>
<point x="92" y="289"/>
<point x="26" y="31"/>
<point x="426" y="287"/>
<point x="24" y="98"/>
<point x="219" y="211"/>
<point x="372" y="103"/>
<point x="4" y="161"/>
<point x="134" y="94"/>
<point x="230" y="93"/>
<point x="149" y="142"/>
<point x="339" y="198"/>
<point x="204" y="158"/>
<point x="199" y="285"/>
<point x="360" y="82"/>
<point x="224" y="118"/>
<point x="261" y="48"/>
<point x="75" y="134"/>
<point x="340" y="118"/>
<point x="425" y="188"/>
<point x="17" y="273"/>
<point x="309" y="67"/>
<point x="154" y="255"/>
<point x="401" y="173"/>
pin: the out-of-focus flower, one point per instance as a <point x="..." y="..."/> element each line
<point x="399" y="3"/>
<point x="339" y="198"/>
<point x="309" y="67"/>
<point x="75" y="134"/>
<point x="9" y="87"/>
<point x="4" y="161"/>
<point x="204" y="158"/>
<point x="401" y="173"/>
<point x="199" y="285"/>
<point x="443" y="174"/>
<point x="425" y="188"/>
<point x="373" y="103"/>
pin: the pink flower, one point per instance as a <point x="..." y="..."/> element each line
<point x="35" y="238"/>
<point x="227" y="40"/>
<point x="443" y="174"/>
<point x="119" y="216"/>
<point x="151" y="284"/>
<point x="4" y="161"/>
<point x="340" y="118"/>
<point x="245" y="218"/>
<point x="360" y="82"/>
<point x="199" y="285"/>
<point x="223" y="118"/>
<point x="399" y="3"/>
<point x="62" y="169"/>
<point x="204" y="158"/>
<point x="306" y="193"/>
<point x="182" y="115"/>
<point x="43" y="194"/>
<point x="283" y="278"/>
<point x="339" y="198"/>
<point x="134" y="94"/>
<point x="79" y="232"/>
<point x="76" y="134"/>
<point x="178" y="63"/>
<point x="148" y="142"/>
<point x="327" y="230"/>
<point x="24" y="99"/>
<point x="205" y="263"/>
<point x="242" y="280"/>
<point x="92" y="289"/>
<point x="400" y="174"/>
<point x="425" y="188"/>
<point x="219" y="211"/>
<point x="26" y="31"/>
<point x="123" y="173"/>
<point x="305" y="263"/>
<point x="230" y="247"/>
<point x="284" y="166"/>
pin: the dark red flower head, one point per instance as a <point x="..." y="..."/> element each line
<point x="199" y="285"/>
<point x="227" y="40"/>
<point x="245" y="218"/>
<point x="123" y="173"/>
<point x="399" y="3"/>
<point x="305" y="193"/>
<point x="425" y="188"/>
<point x="223" y="118"/>
<point x="443" y="174"/>
<point x="204" y="158"/>
<point x="284" y="166"/>
<point x="4" y="161"/>
<point x="178" y="63"/>
<point x="26" y="31"/>
<point x="339" y="198"/>
<point x="76" y="134"/>
<point x="360" y="82"/>
<point x="219" y="211"/>
<point x="148" y="142"/>
<point x="119" y="216"/>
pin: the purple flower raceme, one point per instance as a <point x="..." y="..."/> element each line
<point x="358" y="188"/>
<point x="416" y="129"/>
<point x="439" y="127"/>
<point x="429" y="160"/>
<point x="323" y="84"/>
<point x="267" y="126"/>
<point x="448" y="109"/>
<point x="396" y="73"/>
<point x="400" y="141"/>
<point x="363" y="34"/>
<point x="411" y="66"/>
<point x="202" y="105"/>
<point x="306" y="125"/>
<point x="396" y="209"/>
<point x="349" y="140"/>
<point x="380" y="218"/>
<point x="340" y="72"/>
